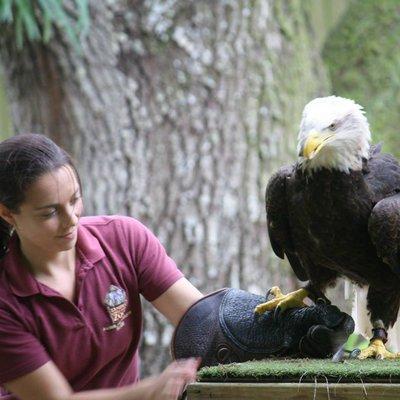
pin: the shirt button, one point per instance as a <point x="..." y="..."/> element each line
<point x="78" y="323"/>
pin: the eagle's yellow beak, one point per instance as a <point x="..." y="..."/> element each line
<point x="314" y="143"/>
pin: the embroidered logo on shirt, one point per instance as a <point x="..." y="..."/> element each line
<point x="116" y="303"/>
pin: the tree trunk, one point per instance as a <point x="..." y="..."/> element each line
<point x="177" y="113"/>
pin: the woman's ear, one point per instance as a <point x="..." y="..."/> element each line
<point x="6" y="214"/>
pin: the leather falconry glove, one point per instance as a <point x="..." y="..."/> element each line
<point x="222" y="328"/>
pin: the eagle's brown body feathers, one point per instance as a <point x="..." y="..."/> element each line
<point x="330" y="223"/>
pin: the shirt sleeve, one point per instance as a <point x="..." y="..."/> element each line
<point x="155" y="270"/>
<point x="20" y="351"/>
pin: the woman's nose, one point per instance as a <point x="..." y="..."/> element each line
<point x="71" y="216"/>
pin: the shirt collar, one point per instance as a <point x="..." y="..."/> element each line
<point x="23" y="283"/>
<point x="88" y="246"/>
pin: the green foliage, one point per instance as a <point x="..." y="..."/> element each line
<point x="35" y="20"/>
<point x="362" y="54"/>
<point x="6" y="128"/>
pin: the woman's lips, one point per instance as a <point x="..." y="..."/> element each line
<point x="69" y="235"/>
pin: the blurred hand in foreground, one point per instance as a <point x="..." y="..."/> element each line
<point x="171" y="383"/>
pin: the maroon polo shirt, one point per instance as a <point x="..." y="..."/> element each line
<point x="94" y="340"/>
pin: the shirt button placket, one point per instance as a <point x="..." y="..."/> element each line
<point x="79" y="324"/>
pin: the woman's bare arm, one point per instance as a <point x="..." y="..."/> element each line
<point x="175" y="301"/>
<point x="48" y="383"/>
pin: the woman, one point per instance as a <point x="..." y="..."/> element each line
<point x="70" y="314"/>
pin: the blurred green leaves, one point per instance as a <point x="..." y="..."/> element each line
<point x="6" y="127"/>
<point x="36" y="20"/>
<point x="363" y="58"/>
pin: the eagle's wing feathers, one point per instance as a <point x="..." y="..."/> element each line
<point x="383" y="178"/>
<point x="384" y="230"/>
<point x="278" y="222"/>
<point x="382" y="174"/>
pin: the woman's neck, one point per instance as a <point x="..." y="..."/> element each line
<point x="47" y="264"/>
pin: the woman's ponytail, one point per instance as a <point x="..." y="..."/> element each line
<point x="5" y="235"/>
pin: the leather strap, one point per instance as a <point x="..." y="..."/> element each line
<point x="379" y="333"/>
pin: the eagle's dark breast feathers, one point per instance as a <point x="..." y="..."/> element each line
<point x="331" y="223"/>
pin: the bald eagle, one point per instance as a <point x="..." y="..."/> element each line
<point x="336" y="212"/>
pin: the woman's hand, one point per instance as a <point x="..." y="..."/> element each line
<point x="170" y="384"/>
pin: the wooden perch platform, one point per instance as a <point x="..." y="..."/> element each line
<point x="291" y="391"/>
<point x="299" y="379"/>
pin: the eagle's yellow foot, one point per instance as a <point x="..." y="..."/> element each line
<point x="283" y="302"/>
<point x="377" y="349"/>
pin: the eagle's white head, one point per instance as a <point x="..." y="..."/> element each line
<point x="334" y="134"/>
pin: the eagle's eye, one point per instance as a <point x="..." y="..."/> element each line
<point x="332" y="126"/>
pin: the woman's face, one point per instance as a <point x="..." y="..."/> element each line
<point x="47" y="220"/>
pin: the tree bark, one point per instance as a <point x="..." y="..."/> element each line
<point x="177" y="113"/>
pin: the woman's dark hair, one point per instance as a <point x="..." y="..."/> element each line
<point x="23" y="159"/>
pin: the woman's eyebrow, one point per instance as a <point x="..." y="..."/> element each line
<point x="55" y="205"/>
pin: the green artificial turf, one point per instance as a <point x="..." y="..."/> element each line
<point x="304" y="370"/>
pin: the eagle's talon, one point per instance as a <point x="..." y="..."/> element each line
<point x="277" y="312"/>
<point x="355" y="353"/>
<point x="339" y="356"/>
<point x="276" y="292"/>
<point x="377" y="350"/>
<point x="282" y="302"/>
